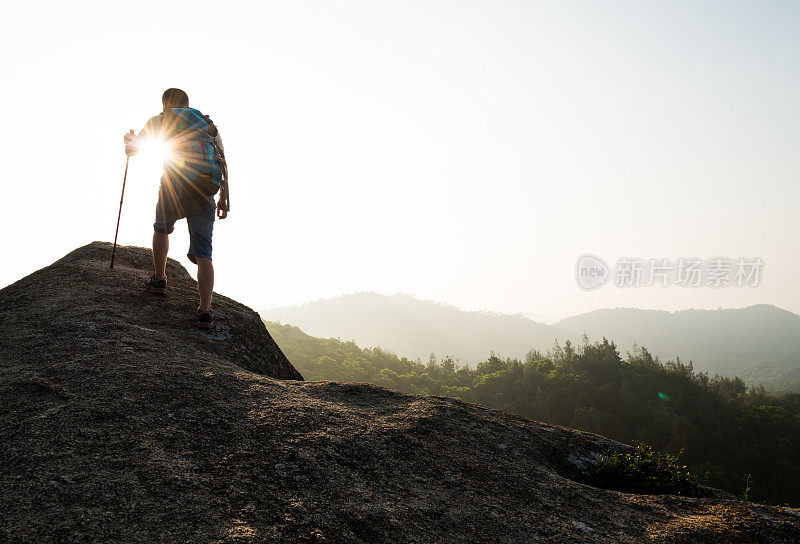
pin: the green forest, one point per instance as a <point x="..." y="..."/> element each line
<point x="742" y="439"/>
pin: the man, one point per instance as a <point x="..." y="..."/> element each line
<point x="194" y="170"/>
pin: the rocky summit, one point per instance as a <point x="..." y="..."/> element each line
<point x="121" y="422"/>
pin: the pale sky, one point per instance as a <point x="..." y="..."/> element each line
<point x="466" y="152"/>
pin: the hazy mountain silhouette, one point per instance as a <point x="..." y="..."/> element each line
<point x="761" y="339"/>
<point x="416" y="328"/>
<point x="120" y="422"/>
<point x="727" y="341"/>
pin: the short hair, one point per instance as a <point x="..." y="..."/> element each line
<point x="175" y="98"/>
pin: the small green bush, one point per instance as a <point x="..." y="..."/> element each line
<point x="645" y="471"/>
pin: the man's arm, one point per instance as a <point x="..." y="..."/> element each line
<point x="223" y="205"/>
<point x="150" y="129"/>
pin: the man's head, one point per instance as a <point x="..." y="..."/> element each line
<point x="174" y="98"/>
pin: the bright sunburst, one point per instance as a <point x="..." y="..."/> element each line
<point x="154" y="152"/>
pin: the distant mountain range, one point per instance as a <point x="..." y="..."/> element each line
<point x="759" y="343"/>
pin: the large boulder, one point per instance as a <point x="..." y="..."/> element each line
<point x="120" y="422"/>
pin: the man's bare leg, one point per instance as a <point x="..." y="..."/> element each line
<point x="160" y="249"/>
<point x="205" y="282"/>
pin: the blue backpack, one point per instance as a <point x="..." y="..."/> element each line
<point x="197" y="159"/>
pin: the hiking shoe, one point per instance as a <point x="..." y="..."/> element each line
<point x="158" y="287"/>
<point x="205" y="319"/>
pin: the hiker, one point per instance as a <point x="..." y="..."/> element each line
<point x="194" y="170"/>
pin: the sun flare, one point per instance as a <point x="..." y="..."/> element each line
<point x="153" y="154"/>
<point x="154" y="150"/>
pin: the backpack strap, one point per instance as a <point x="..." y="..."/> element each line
<point x="224" y="193"/>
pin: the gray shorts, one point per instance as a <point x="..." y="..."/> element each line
<point x="177" y="200"/>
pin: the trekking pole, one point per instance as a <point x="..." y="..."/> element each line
<point x="124" y="179"/>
